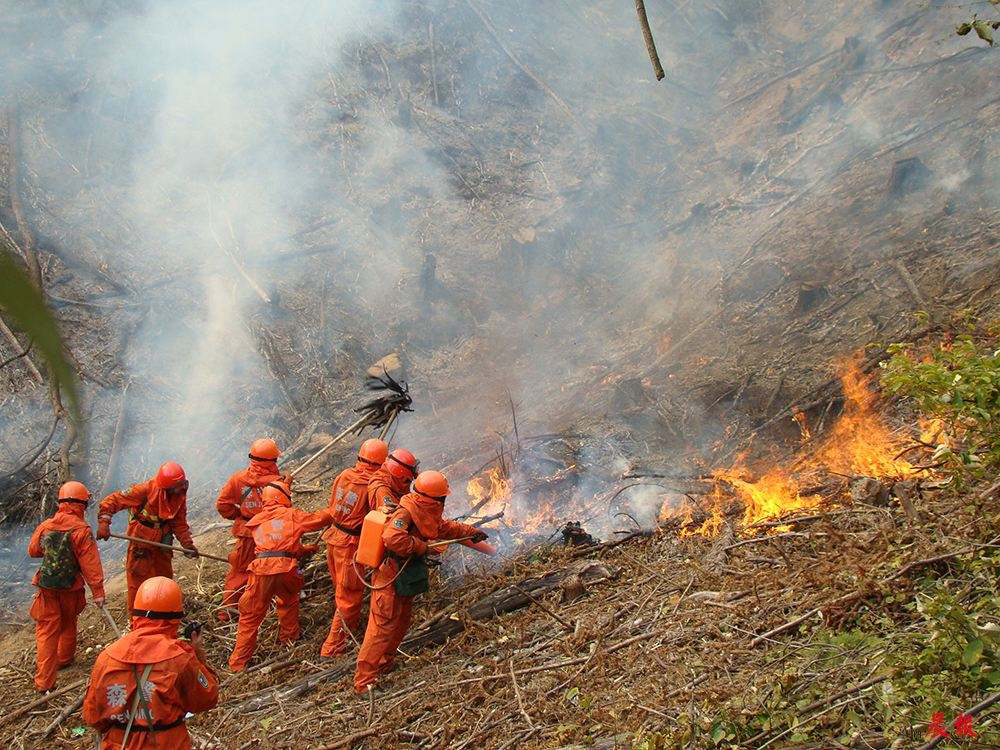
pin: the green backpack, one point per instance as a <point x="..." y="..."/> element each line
<point x="59" y="565"/>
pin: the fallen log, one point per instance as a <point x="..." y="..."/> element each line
<point x="64" y="714"/>
<point x="14" y="716"/>
<point x="508" y="599"/>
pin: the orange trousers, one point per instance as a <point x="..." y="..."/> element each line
<point x="348" y="593"/>
<point x="239" y="560"/>
<point x="388" y="620"/>
<point x="284" y="589"/>
<point x="54" y="612"/>
<point x="142" y="562"/>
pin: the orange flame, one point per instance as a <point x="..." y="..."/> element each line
<point x="859" y="444"/>
<point x="492" y="489"/>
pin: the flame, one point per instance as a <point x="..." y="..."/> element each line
<point x="859" y="444"/>
<point x="934" y="432"/>
<point x="490" y="491"/>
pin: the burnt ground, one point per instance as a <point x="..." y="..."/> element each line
<point x="802" y="186"/>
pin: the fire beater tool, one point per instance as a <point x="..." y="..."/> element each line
<point x="380" y="411"/>
<point x="111" y="621"/>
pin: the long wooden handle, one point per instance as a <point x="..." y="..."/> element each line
<point x="361" y="421"/>
<point x="111" y="621"/>
<point x="167" y="546"/>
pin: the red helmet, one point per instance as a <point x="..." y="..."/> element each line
<point x="74" y="492"/>
<point x="159" y="598"/>
<point x="402" y="464"/>
<point x="432" y="484"/>
<point x="170" y="475"/>
<point x="276" y="493"/>
<point x="373" y="451"/>
<point x="264" y="449"/>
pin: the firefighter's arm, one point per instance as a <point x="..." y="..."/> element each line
<point x="315" y="521"/>
<point x="448" y="529"/>
<point x="117" y="501"/>
<point x="35" y="545"/>
<point x="398" y="538"/>
<point x="182" y="530"/>
<point x="229" y="500"/>
<point x="198" y="686"/>
<point x="90" y="562"/>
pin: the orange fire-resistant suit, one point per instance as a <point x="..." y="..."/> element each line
<point x="156" y="516"/>
<point x="239" y="500"/>
<point x="180" y="682"/>
<point x="348" y="505"/>
<point x="55" y="610"/>
<point x="417" y="521"/>
<point x="274" y="574"/>
<point x="385" y="489"/>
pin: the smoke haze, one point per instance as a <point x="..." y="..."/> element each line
<point x="581" y="227"/>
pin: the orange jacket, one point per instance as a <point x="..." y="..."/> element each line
<point x="181" y="682"/>
<point x="419" y="521"/>
<point x="153" y="512"/>
<point x="239" y="499"/>
<point x="279" y="529"/>
<point x="69" y="517"/>
<point x="349" y="497"/>
<point x="385" y="489"/>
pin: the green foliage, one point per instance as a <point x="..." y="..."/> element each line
<point x="984" y="29"/>
<point x="25" y="306"/>
<point x="960" y="383"/>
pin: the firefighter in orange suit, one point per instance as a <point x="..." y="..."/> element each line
<point x="175" y="674"/>
<point x="417" y="522"/>
<point x="392" y="481"/>
<point x="349" y="504"/>
<point x="69" y="557"/>
<point x="157" y="513"/>
<point x="274" y="573"/>
<point x="239" y="500"/>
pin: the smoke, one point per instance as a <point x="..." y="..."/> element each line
<point x="269" y="179"/>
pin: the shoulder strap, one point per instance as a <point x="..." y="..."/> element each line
<point x="136" y="700"/>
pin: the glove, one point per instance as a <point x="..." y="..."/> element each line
<point x="479" y="536"/>
<point x="190" y="552"/>
<point x="103" y="528"/>
<point x="98" y="601"/>
<point x="287" y="479"/>
<point x="420" y="548"/>
<point x="309" y="549"/>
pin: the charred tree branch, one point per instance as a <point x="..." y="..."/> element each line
<point x="647" y="35"/>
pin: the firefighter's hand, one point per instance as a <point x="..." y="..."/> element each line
<point x="98" y="601"/>
<point x="479" y="536"/>
<point x="190" y="552"/>
<point x="103" y="528"/>
<point x="309" y="549"/>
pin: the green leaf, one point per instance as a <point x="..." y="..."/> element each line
<point x="984" y="30"/>
<point x="718" y="734"/>
<point x="586" y="702"/>
<point x="973" y="652"/>
<point x="571" y="694"/>
<point x="265" y="724"/>
<point x="25" y="306"/>
<point x="963" y="28"/>
<point x="78" y="731"/>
